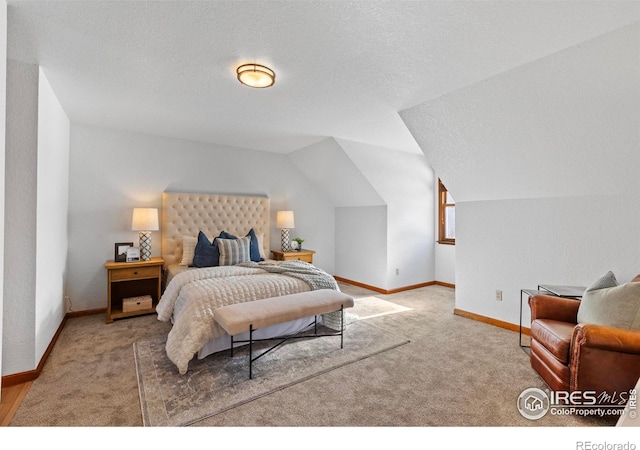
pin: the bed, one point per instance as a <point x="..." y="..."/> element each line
<point x="191" y="294"/>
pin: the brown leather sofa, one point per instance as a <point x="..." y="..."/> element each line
<point x="580" y="357"/>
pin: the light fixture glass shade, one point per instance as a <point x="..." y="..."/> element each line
<point x="255" y="75"/>
<point x="145" y="219"/>
<point x="284" y="219"/>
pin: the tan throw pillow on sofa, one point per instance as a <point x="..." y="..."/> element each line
<point x="617" y="306"/>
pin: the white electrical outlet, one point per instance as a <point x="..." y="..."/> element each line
<point x="499" y="295"/>
<point x="397" y="271"/>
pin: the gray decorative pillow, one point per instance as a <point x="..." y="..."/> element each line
<point x="617" y="306"/>
<point x="234" y="251"/>
<point x="606" y="281"/>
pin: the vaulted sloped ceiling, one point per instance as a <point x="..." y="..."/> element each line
<point x="329" y="168"/>
<point x="353" y="174"/>
<point x="564" y="125"/>
<point x="344" y="68"/>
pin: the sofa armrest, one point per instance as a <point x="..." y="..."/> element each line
<point x="555" y="308"/>
<point x="606" y="338"/>
<point x="605" y="360"/>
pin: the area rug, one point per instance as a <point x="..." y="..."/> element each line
<point x="219" y="383"/>
<point x="370" y="307"/>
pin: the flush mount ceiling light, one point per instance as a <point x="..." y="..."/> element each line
<point x="255" y="75"/>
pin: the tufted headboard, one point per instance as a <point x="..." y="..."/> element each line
<point x="185" y="214"/>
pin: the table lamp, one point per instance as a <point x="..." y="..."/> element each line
<point x="145" y="220"/>
<point x="284" y="221"/>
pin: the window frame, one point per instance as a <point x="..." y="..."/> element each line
<point x="442" y="206"/>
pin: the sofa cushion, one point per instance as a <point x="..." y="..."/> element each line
<point x="555" y="373"/>
<point x="555" y="336"/>
<point x="606" y="281"/>
<point x="617" y="307"/>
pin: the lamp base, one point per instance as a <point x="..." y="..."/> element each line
<point x="284" y="240"/>
<point x="145" y="245"/>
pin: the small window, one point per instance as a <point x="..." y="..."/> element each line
<point x="446" y="216"/>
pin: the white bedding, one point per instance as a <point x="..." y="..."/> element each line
<point x="192" y="295"/>
<point x="173" y="270"/>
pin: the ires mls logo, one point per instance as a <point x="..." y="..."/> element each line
<point x="588" y="398"/>
<point x="632" y="404"/>
<point x="534" y="403"/>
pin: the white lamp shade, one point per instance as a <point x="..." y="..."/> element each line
<point x="284" y="219"/>
<point x="145" y="219"/>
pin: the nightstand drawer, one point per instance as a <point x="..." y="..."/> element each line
<point x="134" y="273"/>
<point x="302" y="255"/>
<point x="307" y="257"/>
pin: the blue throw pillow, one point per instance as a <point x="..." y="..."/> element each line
<point x="254" y="248"/>
<point x="206" y="253"/>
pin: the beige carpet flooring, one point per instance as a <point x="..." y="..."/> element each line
<point x="454" y="372"/>
<point x="220" y="382"/>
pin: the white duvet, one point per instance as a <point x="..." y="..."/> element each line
<point x="191" y="297"/>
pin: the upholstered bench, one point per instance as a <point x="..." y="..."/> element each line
<point x="250" y="316"/>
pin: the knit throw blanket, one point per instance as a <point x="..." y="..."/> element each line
<point x="315" y="277"/>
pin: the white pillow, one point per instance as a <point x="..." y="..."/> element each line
<point x="617" y="306"/>
<point x="188" y="250"/>
<point x="261" y="245"/>
<point x="234" y="251"/>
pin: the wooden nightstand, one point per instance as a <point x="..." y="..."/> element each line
<point x="302" y="255"/>
<point x="133" y="279"/>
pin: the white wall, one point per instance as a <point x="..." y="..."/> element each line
<point x="361" y="244"/>
<point x="405" y="182"/>
<point x="111" y="172"/>
<point x="37" y="149"/>
<point x="542" y="161"/>
<point x="51" y="212"/>
<point x="3" y="104"/>
<point x="445" y="256"/>
<point x="515" y="244"/>
<point x="385" y="210"/>
<point x="19" y="323"/>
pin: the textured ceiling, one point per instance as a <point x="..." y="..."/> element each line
<point x="344" y="69"/>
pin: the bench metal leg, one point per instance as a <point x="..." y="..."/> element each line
<point x="284" y="339"/>
<point x="251" y="351"/>
<point x="341" y="326"/>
